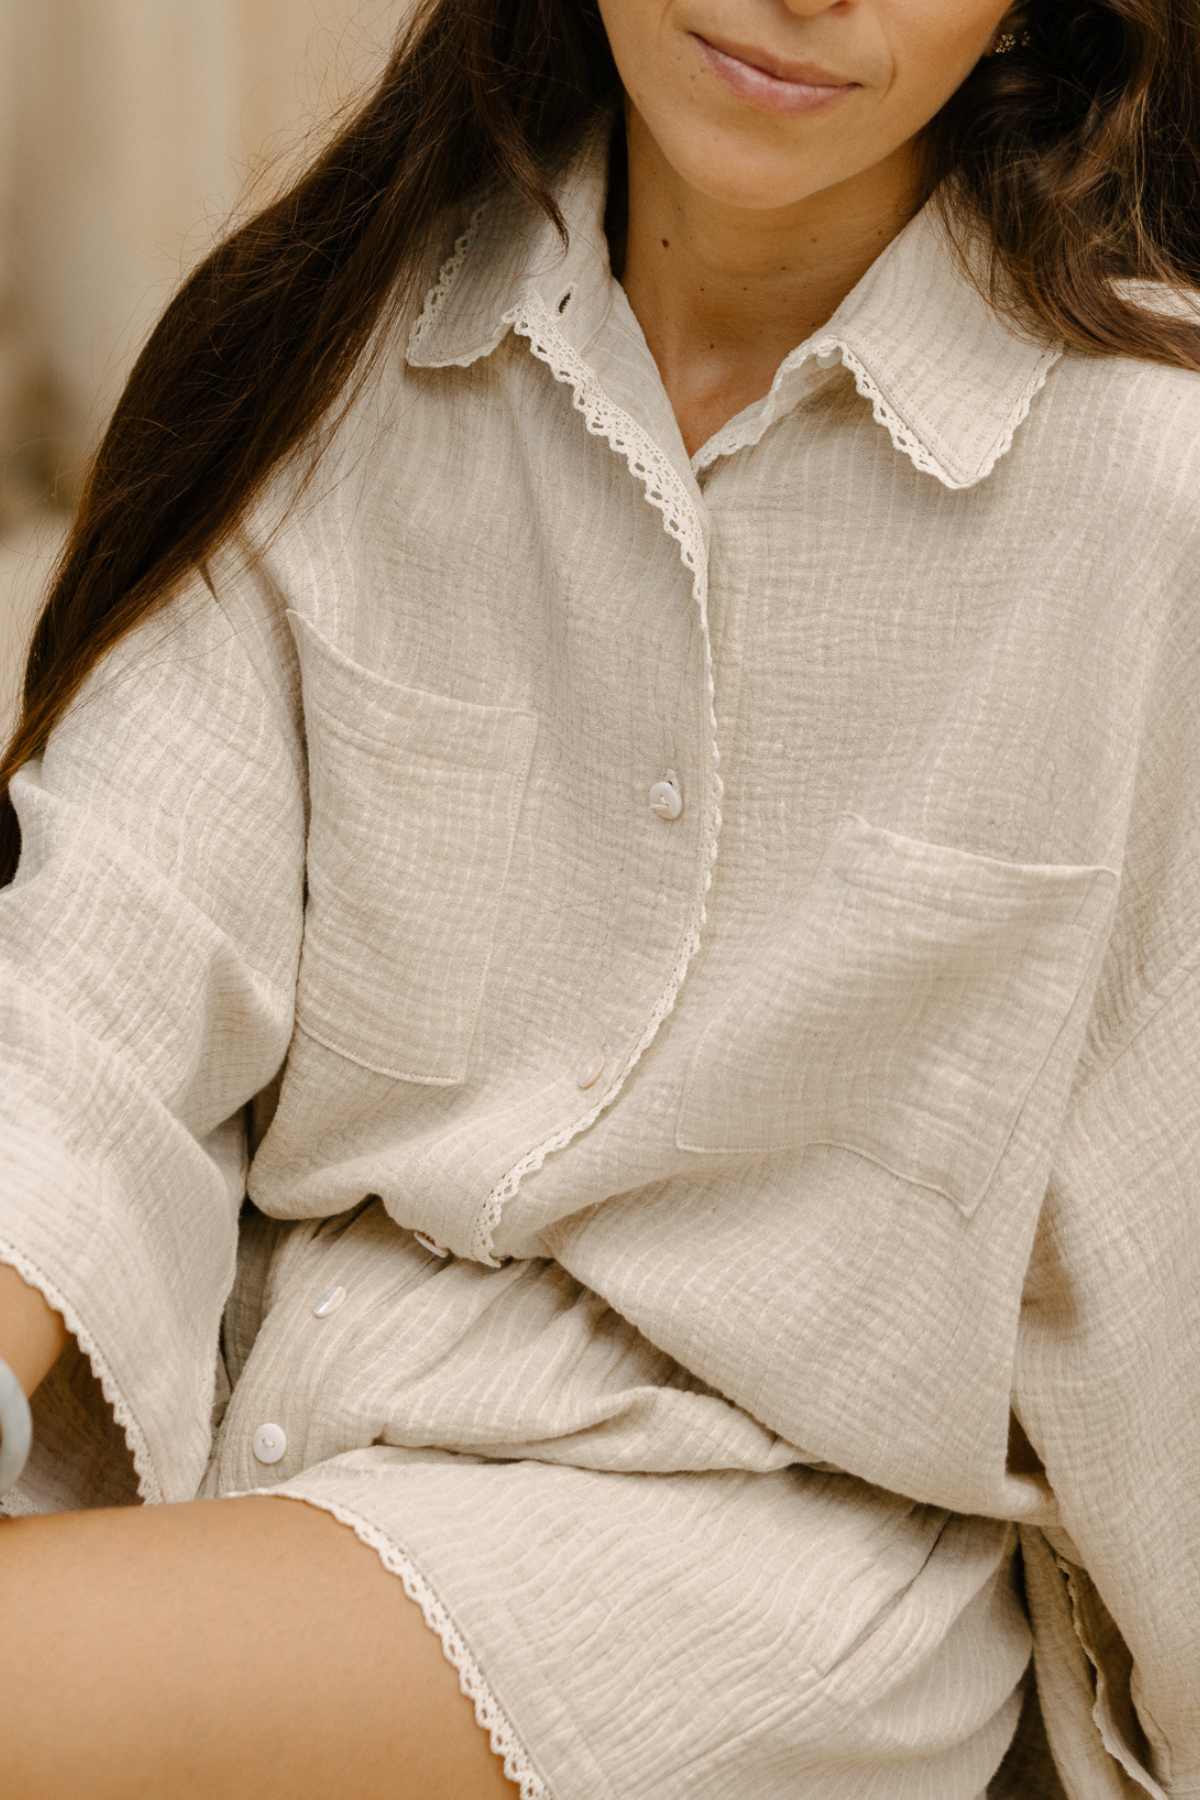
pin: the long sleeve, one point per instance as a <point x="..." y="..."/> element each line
<point x="1107" y="1387"/>
<point x="148" y="952"/>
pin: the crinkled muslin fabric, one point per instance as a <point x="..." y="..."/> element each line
<point x="626" y="1022"/>
<point x="645" y="1592"/>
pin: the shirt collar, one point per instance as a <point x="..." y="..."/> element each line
<point x="947" y="376"/>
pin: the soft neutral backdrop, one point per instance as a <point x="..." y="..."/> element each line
<point x="131" y="133"/>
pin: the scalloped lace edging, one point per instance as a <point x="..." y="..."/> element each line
<point x="602" y="418"/>
<point x="447" y="275"/>
<point x="903" y="438"/>
<point x="1005" y="444"/>
<point x="891" y="421"/>
<point x="149" y="1486"/>
<point x="664" y="490"/>
<point x="489" y="1713"/>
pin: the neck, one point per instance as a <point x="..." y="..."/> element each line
<point x="719" y="290"/>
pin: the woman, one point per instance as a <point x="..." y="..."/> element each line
<point x="606" y="1002"/>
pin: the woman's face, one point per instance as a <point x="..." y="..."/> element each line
<point x="907" y="57"/>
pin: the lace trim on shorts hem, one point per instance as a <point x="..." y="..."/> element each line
<point x="502" y="1735"/>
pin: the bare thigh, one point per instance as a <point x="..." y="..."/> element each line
<point x="244" y="1647"/>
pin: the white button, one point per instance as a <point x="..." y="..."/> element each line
<point x="270" y="1442"/>
<point x="329" y="1302"/>
<point x="825" y="359"/>
<point x="591" y="1070"/>
<point x="665" y="798"/>
<point x="430" y="1244"/>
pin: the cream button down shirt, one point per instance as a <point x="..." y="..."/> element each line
<point x="766" y="881"/>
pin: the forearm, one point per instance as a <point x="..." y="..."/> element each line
<point x="32" y="1334"/>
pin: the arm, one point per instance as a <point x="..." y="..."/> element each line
<point x="149" y="944"/>
<point x="32" y="1334"/>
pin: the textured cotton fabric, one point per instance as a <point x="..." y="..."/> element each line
<point x="742" y="908"/>
<point x="646" y="1594"/>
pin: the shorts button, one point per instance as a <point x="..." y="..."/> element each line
<point x="329" y="1302"/>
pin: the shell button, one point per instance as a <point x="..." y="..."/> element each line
<point x="665" y="797"/>
<point x="329" y="1302"/>
<point x="270" y="1443"/>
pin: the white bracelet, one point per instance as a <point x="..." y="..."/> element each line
<point x="16" y="1428"/>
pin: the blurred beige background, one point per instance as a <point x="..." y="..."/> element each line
<point x="129" y="129"/>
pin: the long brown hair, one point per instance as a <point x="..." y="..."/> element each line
<point x="1078" y="153"/>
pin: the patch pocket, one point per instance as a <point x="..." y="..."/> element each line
<point x="902" y="1009"/>
<point x="414" y="804"/>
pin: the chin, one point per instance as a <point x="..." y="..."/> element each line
<point x="734" y="168"/>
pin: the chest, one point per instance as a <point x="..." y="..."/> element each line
<point x="702" y="409"/>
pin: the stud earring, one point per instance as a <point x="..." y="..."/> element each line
<point x="1008" y="41"/>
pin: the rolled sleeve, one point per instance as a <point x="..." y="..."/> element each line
<point x="1107" y="1388"/>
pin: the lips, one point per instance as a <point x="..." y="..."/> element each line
<point x="809" y="74"/>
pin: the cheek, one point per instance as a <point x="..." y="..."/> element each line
<point x="942" y="40"/>
<point x="931" y="66"/>
<point x="626" y="25"/>
<point x="655" y="61"/>
<point x="632" y="29"/>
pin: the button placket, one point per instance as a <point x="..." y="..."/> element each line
<point x="666" y="800"/>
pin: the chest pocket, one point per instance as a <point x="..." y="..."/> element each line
<point x="902" y="1009"/>
<point x="414" y="804"/>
